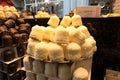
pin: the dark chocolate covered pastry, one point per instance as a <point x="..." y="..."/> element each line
<point x="14" y="17"/>
<point x="20" y="21"/>
<point x="20" y="51"/>
<point x="17" y="39"/>
<point x="13" y="31"/>
<point x="1" y="21"/>
<point x="8" y="55"/>
<point x="23" y="28"/>
<point x="6" y="40"/>
<point x="24" y="37"/>
<point x="10" y="23"/>
<point x="3" y="30"/>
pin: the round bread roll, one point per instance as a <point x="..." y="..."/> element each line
<point x="1" y="8"/>
<point x="31" y="47"/>
<point x="76" y="21"/>
<point x="42" y="51"/>
<point x="66" y="21"/>
<point x="6" y="8"/>
<point x="74" y="52"/>
<point x="80" y="74"/>
<point x="8" y="14"/>
<point x="2" y="15"/>
<point x="64" y="72"/>
<point x="13" y="9"/>
<point x="61" y="35"/>
<point x="36" y="32"/>
<point x="56" y="53"/>
<point x="16" y="13"/>
<point x="38" y="67"/>
<point x="51" y="69"/>
<point x="30" y="76"/>
<point x="54" y="21"/>
<point x="40" y="77"/>
<point x="27" y="62"/>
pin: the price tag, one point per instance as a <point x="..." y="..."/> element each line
<point x="88" y="11"/>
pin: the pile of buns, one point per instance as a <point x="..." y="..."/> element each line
<point x="63" y="40"/>
<point x="54" y="46"/>
<point x="42" y="14"/>
<point x="7" y="11"/>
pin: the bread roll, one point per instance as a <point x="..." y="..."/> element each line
<point x="1" y="8"/>
<point x="13" y="9"/>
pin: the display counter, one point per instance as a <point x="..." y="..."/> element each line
<point x="106" y="32"/>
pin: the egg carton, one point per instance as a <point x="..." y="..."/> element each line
<point x="12" y="66"/>
<point x="19" y="75"/>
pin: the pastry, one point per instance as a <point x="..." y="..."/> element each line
<point x="53" y="21"/>
<point x="56" y="53"/>
<point x="41" y="51"/>
<point x="66" y="21"/>
<point x="61" y="35"/>
<point x="76" y="20"/>
<point x="73" y="52"/>
<point x="80" y="74"/>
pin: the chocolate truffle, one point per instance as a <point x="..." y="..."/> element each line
<point x="8" y="55"/>
<point x="6" y="40"/>
<point x="10" y="23"/>
<point x="17" y="39"/>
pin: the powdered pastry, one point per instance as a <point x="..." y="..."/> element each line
<point x="61" y="35"/>
<point x="42" y="51"/>
<point x="48" y="34"/>
<point x="66" y="21"/>
<point x="56" y="53"/>
<point x="36" y="32"/>
<point x="74" y="52"/>
<point x="76" y="21"/>
<point x="54" y="21"/>
<point x="31" y="47"/>
<point x="80" y="74"/>
<point x="84" y="30"/>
